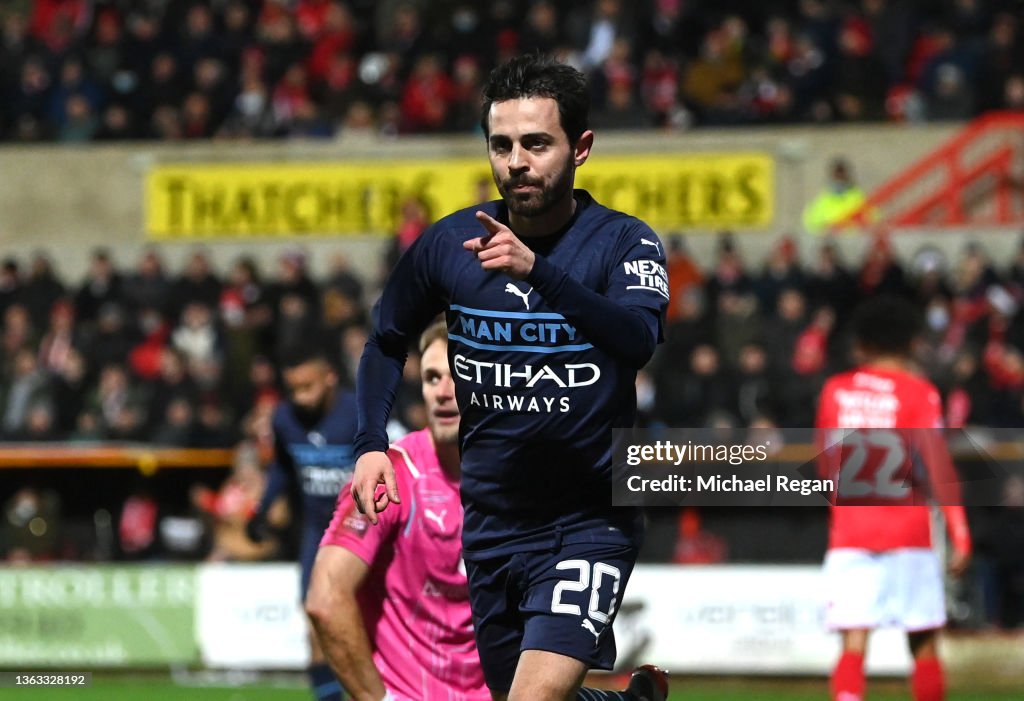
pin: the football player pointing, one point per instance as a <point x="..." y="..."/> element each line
<point x="552" y="303"/>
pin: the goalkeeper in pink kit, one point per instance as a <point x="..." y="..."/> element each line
<point x="389" y="602"/>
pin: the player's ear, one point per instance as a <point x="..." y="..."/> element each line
<point x="582" y="149"/>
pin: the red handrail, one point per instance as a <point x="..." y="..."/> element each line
<point x="997" y="164"/>
<point x="957" y="176"/>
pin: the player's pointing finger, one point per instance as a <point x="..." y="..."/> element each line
<point x="492" y="225"/>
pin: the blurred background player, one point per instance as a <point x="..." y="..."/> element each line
<point x="313" y="436"/>
<point x="881" y="569"/>
<point x="554" y="302"/>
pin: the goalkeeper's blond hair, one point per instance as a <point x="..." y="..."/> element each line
<point x="437" y="331"/>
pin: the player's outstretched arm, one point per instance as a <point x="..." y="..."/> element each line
<point x="334" y="612"/>
<point x="407" y="305"/>
<point x="372" y="469"/>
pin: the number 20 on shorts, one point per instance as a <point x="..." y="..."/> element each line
<point x="587" y="577"/>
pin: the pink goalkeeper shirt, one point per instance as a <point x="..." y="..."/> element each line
<point x="415" y="601"/>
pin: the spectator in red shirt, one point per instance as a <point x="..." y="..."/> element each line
<point x="335" y="35"/>
<point x="427" y="96"/>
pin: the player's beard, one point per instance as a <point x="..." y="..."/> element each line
<point x="534" y="203"/>
<point x="308" y="416"/>
<point x="311" y="415"/>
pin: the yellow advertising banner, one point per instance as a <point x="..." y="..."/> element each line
<point x="203" y="201"/>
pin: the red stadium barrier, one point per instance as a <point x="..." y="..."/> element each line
<point x="143" y="458"/>
<point x="975" y="178"/>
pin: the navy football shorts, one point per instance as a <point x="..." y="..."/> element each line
<point x="561" y="602"/>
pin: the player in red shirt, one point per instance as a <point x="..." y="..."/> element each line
<point x="881" y="569"/>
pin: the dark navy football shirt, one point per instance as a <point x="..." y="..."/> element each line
<point x="314" y="453"/>
<point x="544" y="368"/>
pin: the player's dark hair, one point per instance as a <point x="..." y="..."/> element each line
<point x="887" y="325"/>
<point x="300" y="354"/>
<point x="535" y="75"/>
<point x="438" y="331"/>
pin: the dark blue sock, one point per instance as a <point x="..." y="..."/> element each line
<point x="324" y="684"/>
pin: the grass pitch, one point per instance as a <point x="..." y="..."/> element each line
<point x="291" y="688"/>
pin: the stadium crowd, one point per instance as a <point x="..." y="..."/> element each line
<point x="746" y="343"/>
<point x="189" y="358"/>
<point x="98" y="70"/>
